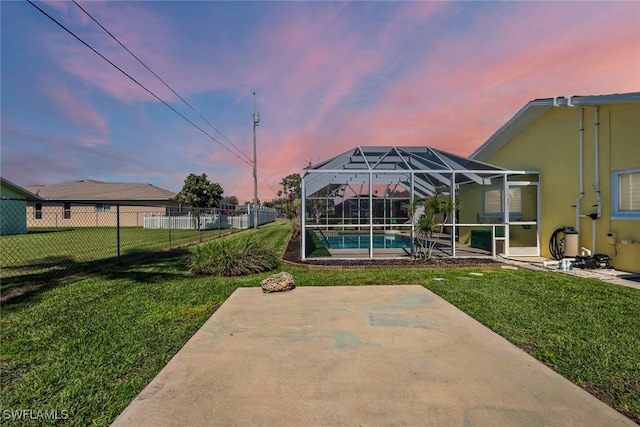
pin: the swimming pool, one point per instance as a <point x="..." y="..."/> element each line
<point x="361" y="241"/>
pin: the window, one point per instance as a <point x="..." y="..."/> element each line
<point x="37" y="213"/>
<point x="66" y="211"/>
<point x="625" y="194"/>
<point x="493" y="201"/>
<point x="101" y="207"/>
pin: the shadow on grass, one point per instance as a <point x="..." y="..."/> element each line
<point x="150" y="267"/>
<point x="142" y="266"/>
<point x="48" y="230"/>
<point x="146" y="265"/>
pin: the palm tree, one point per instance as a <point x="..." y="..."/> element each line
<point x="439" y="209"/>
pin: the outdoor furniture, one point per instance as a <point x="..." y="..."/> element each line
<point x="482" y="238"/>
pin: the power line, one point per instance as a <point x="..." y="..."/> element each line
<point x="264" y="179"/>
<point x="159" y="78"/>
<point x="136" y="82"/>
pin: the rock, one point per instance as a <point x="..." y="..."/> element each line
<point x="280" y="282"/>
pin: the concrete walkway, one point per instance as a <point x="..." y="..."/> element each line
<point x="356" y="356"/>
<point x="609" y="275"/>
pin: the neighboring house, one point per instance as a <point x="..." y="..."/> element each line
<point x="587" y="150"/>
<point x="13" y="207"/>
<point x="90" y="203"/>
<point x="355" y="210"/>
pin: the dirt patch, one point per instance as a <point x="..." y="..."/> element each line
<point x="292" y="255"/>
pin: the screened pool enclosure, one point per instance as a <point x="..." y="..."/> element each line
<point x="358" y="205"/>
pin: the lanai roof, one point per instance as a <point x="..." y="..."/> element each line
<point x="431" y="168"/>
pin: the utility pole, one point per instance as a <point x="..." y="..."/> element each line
<point x="256" y="120"/>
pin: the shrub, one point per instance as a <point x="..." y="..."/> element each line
<point x="233" y="257"/>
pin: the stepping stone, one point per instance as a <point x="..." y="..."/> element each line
<point x="476" y="274"/>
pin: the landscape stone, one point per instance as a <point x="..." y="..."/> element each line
<point x="280" y="282"/>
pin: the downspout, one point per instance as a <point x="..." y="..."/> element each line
<point x="581" y="170"/>
<point x="596" y="184"/>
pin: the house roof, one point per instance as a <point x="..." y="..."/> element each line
<point x="537" y="108"/>
<point x="90" y="190"/>
<point x="28" y="195"/>
<point x="430" y="168"/>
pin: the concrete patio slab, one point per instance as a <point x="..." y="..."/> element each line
<point x="361" y="356"/>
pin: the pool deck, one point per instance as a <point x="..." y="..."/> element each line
<point x="366" y="355"/>
<point x="441" y="250"/>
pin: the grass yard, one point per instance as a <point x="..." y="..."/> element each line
<point x="51" y="253"/>
<point x="90" y="346"/>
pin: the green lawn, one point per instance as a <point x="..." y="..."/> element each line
<point x="89" y="346"/>
<point x="46" y="254"/>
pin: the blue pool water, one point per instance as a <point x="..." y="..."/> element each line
<point x="361" y="241"/>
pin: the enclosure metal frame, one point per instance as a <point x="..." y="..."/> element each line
<point x="426" y="168"/>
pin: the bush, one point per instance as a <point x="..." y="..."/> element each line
<point x="233" y="257"/>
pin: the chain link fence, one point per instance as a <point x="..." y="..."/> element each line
<point x="42" y="242"/>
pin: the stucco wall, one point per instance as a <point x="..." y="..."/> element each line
<point x="86" y="216"/>
<point x="12" y="218"/>
<point x="471" y="202"/>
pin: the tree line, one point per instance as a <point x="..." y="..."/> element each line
<point x="199" y="192"/>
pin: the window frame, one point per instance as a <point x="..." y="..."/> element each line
<point x="102" y="208"/>
<point x="500" y="214"/>
<point x="616" y="213"/>
<point x="37" y="213"/>
<point x="66" y="211"/>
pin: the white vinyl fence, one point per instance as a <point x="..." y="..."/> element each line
<point x="185" y="222"/>
<point x="243" y="219"/>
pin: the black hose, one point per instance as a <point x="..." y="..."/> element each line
<point x="556" y="245"/>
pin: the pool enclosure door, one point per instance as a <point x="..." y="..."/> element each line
<point x="522" y="208"/>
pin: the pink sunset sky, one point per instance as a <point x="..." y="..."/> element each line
<point x="328" y="76"/>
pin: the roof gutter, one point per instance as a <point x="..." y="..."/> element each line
<point x="627" y="98"/>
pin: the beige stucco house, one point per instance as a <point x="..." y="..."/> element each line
<point x="90" y="203"/>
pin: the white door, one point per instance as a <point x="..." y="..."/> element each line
<point x="522" y="207"/>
